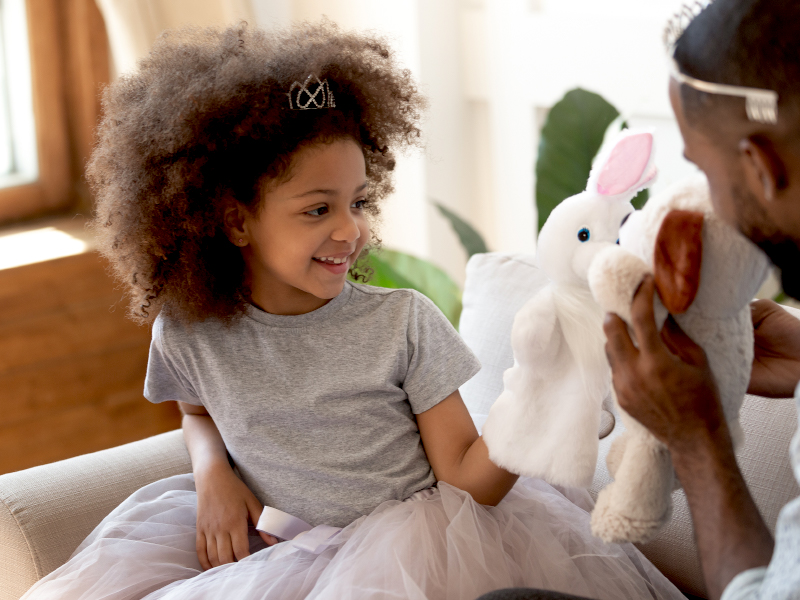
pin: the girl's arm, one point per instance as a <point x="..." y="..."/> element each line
<point x="224" y="502"/>
<point x="458" y="455"/>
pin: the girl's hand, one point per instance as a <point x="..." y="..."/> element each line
<point x="776" y="365"/>
<point x="224" y="504"/>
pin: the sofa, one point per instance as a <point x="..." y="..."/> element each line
<point x="46" y="511"/>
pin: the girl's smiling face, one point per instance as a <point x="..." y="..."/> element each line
<point x="308" y="231"/>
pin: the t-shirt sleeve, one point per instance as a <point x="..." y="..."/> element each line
<point x="165" y="381"/>
<point x="439" y="360"/>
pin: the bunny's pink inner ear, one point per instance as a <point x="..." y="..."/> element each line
<point x="625" y="165"/>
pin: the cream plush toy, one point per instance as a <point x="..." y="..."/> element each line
<point x="706" y="274"/>
<point x="545" y="423"/>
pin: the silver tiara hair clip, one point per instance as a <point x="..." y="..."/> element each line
<point x="761" y="105"/>
<point x="311" y="94"/>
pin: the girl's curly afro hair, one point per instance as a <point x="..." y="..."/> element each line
<point x="206" y="119"/>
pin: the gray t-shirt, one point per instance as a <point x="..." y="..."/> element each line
<point x="317" y="410"/>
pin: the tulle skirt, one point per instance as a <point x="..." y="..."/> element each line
<point x="438" y="545"/>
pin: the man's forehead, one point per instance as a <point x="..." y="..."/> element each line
<point x="677" y="108"/>
<point x="713" y="128"/>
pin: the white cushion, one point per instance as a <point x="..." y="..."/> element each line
<point x="497" y="286"/>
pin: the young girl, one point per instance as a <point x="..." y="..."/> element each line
<point x="238" y="176"/>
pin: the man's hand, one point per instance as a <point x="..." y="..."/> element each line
<point x="776" y="366"/>
<point x="665" y="383"/>
<point x="224" y="504"/>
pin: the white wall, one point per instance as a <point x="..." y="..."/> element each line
<point x="525" y="54"/>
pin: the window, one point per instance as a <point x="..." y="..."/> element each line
<point x="17" y="133"/>
<point x="53" y="61"/>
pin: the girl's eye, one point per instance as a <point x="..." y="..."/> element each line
<point x="359" y="204"/>
<point x="583" y="235"/>
<point x="318" y="212"/>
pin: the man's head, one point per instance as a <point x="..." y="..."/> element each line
<point x="753" y="168"/>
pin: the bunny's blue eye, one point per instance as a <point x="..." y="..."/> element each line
<point x="583" y="235"/>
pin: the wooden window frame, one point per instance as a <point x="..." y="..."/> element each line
<point x="69" y="59"/>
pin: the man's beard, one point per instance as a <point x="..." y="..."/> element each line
<point x="782" y="250"/>
<point x="785" y="254"/>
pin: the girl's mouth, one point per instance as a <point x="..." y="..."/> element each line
<point x="336" y="265"/>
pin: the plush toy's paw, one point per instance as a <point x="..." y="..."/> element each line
<point x="615" y="526"/>
<point x="614" y="276"/>
<point x="616" y="453"/>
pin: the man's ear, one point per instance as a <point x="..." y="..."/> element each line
<point x="234" y="224"/>
<point x="764" y="168"/>
<point x="677" y="260"/>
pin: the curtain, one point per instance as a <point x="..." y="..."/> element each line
<point x="133" y="25"/>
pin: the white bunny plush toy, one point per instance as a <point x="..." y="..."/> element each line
<point x="706" y="274"/>
<point x="545" y="423"/>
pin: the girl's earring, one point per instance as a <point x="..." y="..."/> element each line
<point x="241" y="241"/>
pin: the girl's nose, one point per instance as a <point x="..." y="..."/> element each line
<point x="347" y="229"/>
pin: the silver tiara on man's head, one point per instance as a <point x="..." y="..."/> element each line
<point x="761" y="105"/>
<point x="310" y="94"/>
<point x="680" y="21"/>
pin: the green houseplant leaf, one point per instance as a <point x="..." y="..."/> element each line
<point x="394" y="269"/>
<point x="640" y="199"/>
<point x="570" y="139"/>
<point x="470" y="239"/>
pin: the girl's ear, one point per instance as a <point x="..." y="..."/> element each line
<point x="677" y="260"/>
<point x="233" y="220"/>
<point x="626" y="167"/>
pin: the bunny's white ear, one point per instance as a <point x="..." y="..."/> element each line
<point x="626" y="166"/>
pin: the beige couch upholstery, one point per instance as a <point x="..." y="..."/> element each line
<point x="45" y="512"/>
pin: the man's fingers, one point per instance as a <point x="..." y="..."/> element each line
<point x="643" y="319"/>
<point x="680" y="344"/>
<point x="619" y="347"/>
<point x="202" y="554"/>
<point x="761" y="308"/>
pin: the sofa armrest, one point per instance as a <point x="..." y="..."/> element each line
<point x="47" y="511"/>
